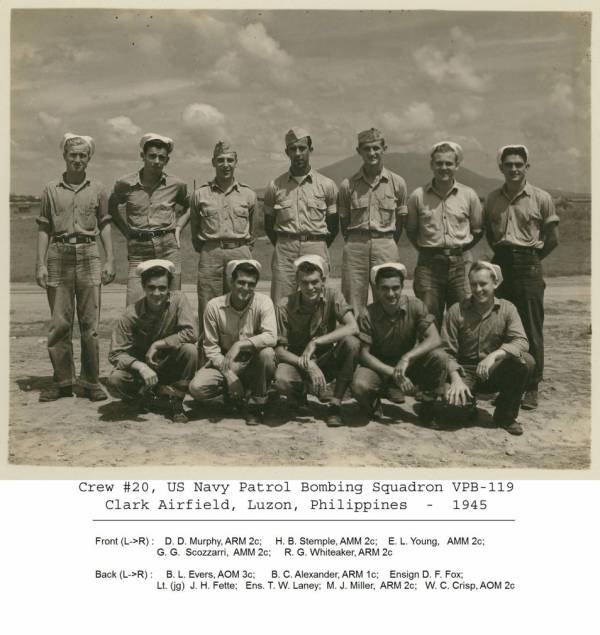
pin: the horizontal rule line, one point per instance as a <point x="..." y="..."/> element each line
<point x="303" y="520"/>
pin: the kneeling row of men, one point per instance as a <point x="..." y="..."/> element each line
<point x="312" y="337"/>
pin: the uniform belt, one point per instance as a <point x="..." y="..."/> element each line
<point x="74" y="240"/>
<point x="441" y="251"/>
<point x="516" y="249"/>
<point x="149" y="235"/>
<point x="371" y="233"/>
<point x="227" y="243"/>
<point x="303" y="237"/>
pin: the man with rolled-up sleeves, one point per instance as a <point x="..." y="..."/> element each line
<point x="444" y="221"/>
<point x="73" y="214"/>
<point x="522" y="228"/>
<point x="372" y="208"/>
<point x="151" y="225"/>
<point x="300" y="209"/>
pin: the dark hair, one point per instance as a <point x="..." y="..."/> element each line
<point x="155" y="272"/>
<point x="388" y="272"/>
<point x="514" y="150"/>
<point x="307" y="268"/>
<point x="247" y="268"/>
<point x="155" y="143"/>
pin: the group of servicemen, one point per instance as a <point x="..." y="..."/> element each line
<point x="307" y="333"/>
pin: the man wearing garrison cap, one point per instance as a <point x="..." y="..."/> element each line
<point x="156" y="211"/>
<point x="153" y="345"/>
<point x="400" y="346"/>
<point x="221" y="215"/>
<point x="300" y="213"/>
<point x="487" y="348"/>
<point x="521" y="226"/>
<point x="73" y="213"/>
<point x="444" y="221"/>
<point x="316" y="339"/>
<point x="240" y="332"/>
<point x="372" y="206"/>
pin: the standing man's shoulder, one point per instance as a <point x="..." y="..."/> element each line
<point x="263" y="301"/>
<point x="247" y="191"/>
<point x="542" y="196"/>
<point x="324" y="181"/>
<point x="397" y="181"/>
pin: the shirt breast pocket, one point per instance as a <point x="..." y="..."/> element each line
<point x="86" y="217"/>
<point x="283" y="211"/>
<point x="209" y="214"/>
<point x="240" y="218"/>
<point x="359" y="209"/>
<point x="163" y="213"/>
<point x="387" y="210"/>
<point x="317" y="207"/>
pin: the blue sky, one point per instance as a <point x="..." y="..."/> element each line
<point x="482" y="79"/>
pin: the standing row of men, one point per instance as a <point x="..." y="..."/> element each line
<point x="303" y="213"/>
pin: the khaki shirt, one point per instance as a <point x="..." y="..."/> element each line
<point x="301" y="208"/>
<point x="67" y="210"/>
<point x="468" y="337"/>
<point x="377" y="206"/>
<point x="519" y="221"/>
<point x="147" y="209"/>
<point x="139" y="328"/>
<point x="298" y="323"/>
<point x="443" y="221"/>
<point x="218" y="215"/>
<point x="390" y="337"/>
<point x="224" y="325"/>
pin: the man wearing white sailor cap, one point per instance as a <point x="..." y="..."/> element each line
<point x="240" y="331"/>
<point x="316" y="338"/>
<point x="400" y="346"/>
<point x="73" y="213"/>
<point x="372" y="208"/>
<point x="521" y="226"/>
<point x="156" y="211"/>
<point x="300" y="213"/>
<point x="487" y="348"/>
<point x="153" y="345"/>
<point x="444" y="221"/>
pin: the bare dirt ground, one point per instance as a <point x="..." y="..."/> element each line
<point x="76" y="432"/>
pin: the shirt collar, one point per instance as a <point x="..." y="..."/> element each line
<point x="163" y="178"/>
<point x="403" y="307"/>
<point x="215" y="186"/>
<point x="430" y="187"/>
<point x="295" y="303"/>
<point x="470" y="302"/>
<point x="227" y="303"/>
<point x="526" y="190"/>
<point x="69" y="186"/>
<point x="384" y="176"/>
<point x="307" y="177"/>
<point x="143" y="309"/>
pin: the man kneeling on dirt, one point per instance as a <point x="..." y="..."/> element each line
<point x="487" y="345"/>
<point x="316" y="339"/>
<point x="400" y="346"/>
<point x="153" y="346"/>
<point x="240" y="332"/>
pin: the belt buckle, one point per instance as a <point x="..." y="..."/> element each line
<point x="72" y="240"/>
<point x="302" y="238"/>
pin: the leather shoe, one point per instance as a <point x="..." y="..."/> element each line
<point x="56" y="392"/>
<point x="530" y="400"/>
<point x="95" y="394"/>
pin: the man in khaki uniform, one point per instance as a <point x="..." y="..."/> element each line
<point x="151" y="225"/>
<point x="300" y="213"/>
<point x="221" y="215"/>
<point x="372" y="206"/>
<point x="444" y="221"/>
<point x="73" y="214"/>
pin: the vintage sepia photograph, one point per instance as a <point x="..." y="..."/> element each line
<point x="300" y="238"/>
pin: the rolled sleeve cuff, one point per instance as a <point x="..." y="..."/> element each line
<point x="282" y="340"/>
<point x="263" y="340"/>
<point x="365" y="338"/>
<point x="216" y="361"/>
<point x="42" y="220"/>
<point x="331" y="209"/>
<point x="425" y="322"/>
<point x="123" y="361"/>
<point x="402" y="210"/>
<point x="552" y="219"/>
<point x="104" y="220"/>
<point x="173" y="341"/>
<point x="512" y="349"/>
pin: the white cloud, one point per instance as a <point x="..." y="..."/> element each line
<point x="210" y="28"/>
<point x="50" y="122"/>
<point x="123" y="126"/>
<point x="417" y="118"/>
<point x="255" y="41"/>
<point x="562" y="97"/>
<point x="205" y="123"/>
<point x="452" y="66"/>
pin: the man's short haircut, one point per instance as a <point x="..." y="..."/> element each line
<point x="388" y="272"/>
<point x="155" y="272"/>
<point x="520" y="151"/>
<point x="445" y="147"/>
<point x="306" y="268"/>
<point x="479" y="266"/>
<point x="248" y="269"/>
<point x="155" y="143"/>
<point x="76" y="141"/>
